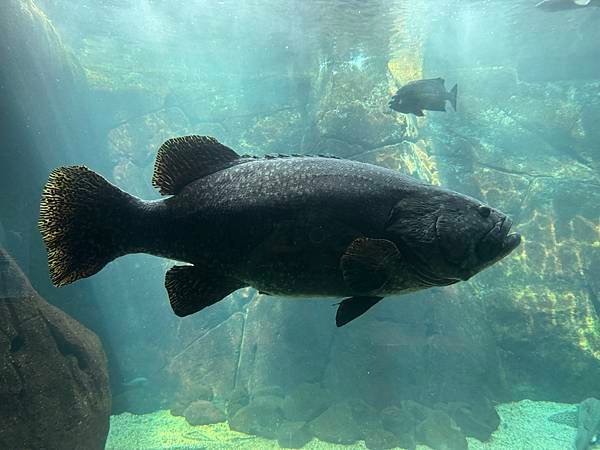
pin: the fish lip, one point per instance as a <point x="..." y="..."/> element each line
<point x="511" y="239"/>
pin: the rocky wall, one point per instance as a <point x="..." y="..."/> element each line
<point x="54" y="391"/>
<point x="529" y="149"/>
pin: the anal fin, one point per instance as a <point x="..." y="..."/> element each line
<point x="192" y="289"/>
<point x="353" y="307"/>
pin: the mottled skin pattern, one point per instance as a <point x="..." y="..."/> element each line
<point x="282" y="225"/>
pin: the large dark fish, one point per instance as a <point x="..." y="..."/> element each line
<point x="419" y="95"/>
<point x="560" y="5"/>
<point x="299" y="226"/>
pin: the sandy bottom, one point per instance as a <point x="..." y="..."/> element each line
<point x="524" y="426"/>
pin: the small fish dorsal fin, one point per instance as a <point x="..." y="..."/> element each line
<point x="182" y="160"/>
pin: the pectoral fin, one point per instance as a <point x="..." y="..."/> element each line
<point x="419" y="113"/>
<point x="367" y="262"/>
<point x="352" y="307"/>
<point x="192" y="289"/>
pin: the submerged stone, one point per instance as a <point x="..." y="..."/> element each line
<point x="438" y="432"/>
<point x="382" y="440"/>
<point x="261" y="417"/>
<point x="54" y="390"/>
<point x="305" y="402"/>
<point x="293" y="435"/>
<point x="337" y="425"/>
<point x="203" y="412"/>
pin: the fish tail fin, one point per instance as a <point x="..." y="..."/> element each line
<point x="84" y="222"/>
<point x="452" y="97"/>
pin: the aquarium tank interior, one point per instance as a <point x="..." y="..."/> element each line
<point x="319" y="224"/>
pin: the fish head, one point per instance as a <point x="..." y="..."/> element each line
<point x="397" y="103"/>
<point x="448" y="237"/>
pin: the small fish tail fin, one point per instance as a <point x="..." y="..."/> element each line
<point x="83" y="221"/>
<point x="452" y="96"/>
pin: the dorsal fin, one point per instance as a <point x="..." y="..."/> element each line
<point x="182" y="160"/>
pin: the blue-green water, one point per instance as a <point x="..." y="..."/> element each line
<point x="482" y="363"/>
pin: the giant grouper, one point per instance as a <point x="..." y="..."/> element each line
<point x="286" y="225"/>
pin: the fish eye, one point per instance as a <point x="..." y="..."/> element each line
<point x="485" y="211"/>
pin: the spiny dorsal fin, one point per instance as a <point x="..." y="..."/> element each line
<point x="184" y="159"/>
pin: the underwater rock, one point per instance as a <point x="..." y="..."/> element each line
<point x="212" y="359"/>
<point x="438" y="432"/>
<point x="356" y="123"/>
<point x="478" y="420"/>
<point x="182" y="401"/>
<point x="588" y="424"/>
<point x="273" y="333"/>
<point x="237" y="400"/>
<point x="138" y="401"/>
<point x="433" y="346"/>
<point x="365" y="416"/>
<point x="53" y="371"/>
<point x="402" y="424"/>
<point x="261" y="417"/>
<point x="136" y="141"/>
<point x="306" y="402"/>
<point x="532" y="150"/>
<point x="293" y="435"/>
<point x="337" y="425"/>
<point x="550" y="288"/>
<point x="410" y="158"/>
<point x="382" y="440"/>
<point x="269" y="390"/>
<point x="43" y="113"/>
<point x="203" y="412"/>
<point x="353" y="110"/>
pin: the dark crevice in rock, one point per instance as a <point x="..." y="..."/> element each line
<point x="565" y="150"/>
<point x="67" y="348"/>
<point x="17" y="343"/>
<point x="241" y="344"/>
<point x="511" y="171"/>
<point x="594" y="299"/>
<point x="199" y="338"/>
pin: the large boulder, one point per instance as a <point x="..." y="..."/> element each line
<point x="261" y="417"/>
<point x="210" y="360"/>
<point x="54" y="389"/>
<point x="203" y="412"/>
<point x="430" y="347"/>
<point x="286" y="343"/>
<point x="337" y="425"/>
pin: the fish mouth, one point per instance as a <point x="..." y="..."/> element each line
<point x="498" y="242"/>
<point x="511" y="239"/>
